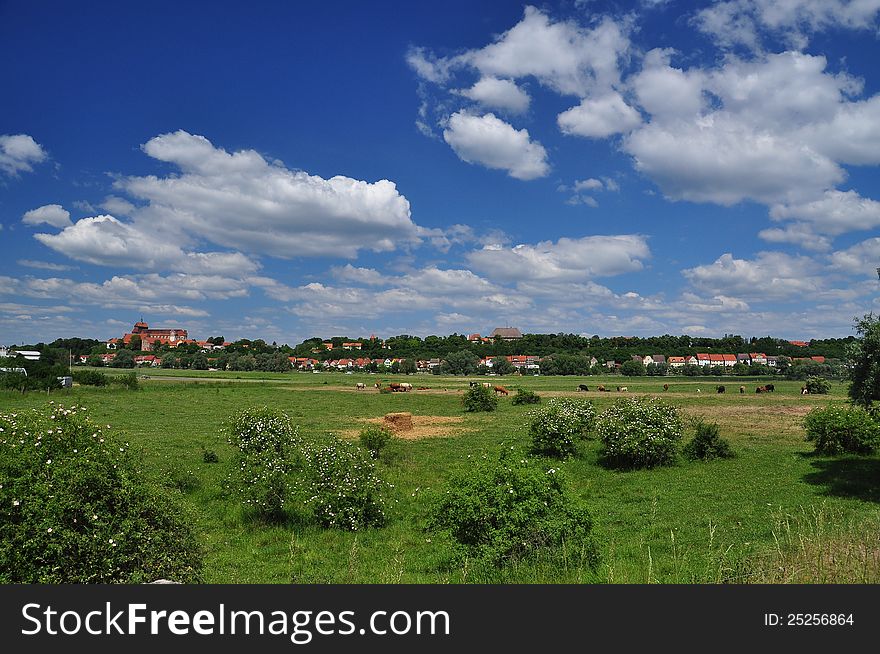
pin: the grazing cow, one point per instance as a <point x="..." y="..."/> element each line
<point x="622" y="389"/>
<point x="500" y="390"/>
<point x="699" y="391"/>
<point x="583" y="387"/>
<point x="720" y="389"/>
<point x="602" y="388"/>
<point x="770" y="388"/>
<point x="761" y="389"/>
<point x="805" y="390"/>
<point x="405" y="386"/>
<point x="665" y="387"/>
<point x="361" y="386"/>
<point x="378" y="385"/>
<point x="742" y="389"/>
<point x="487" y="385"/>
<point x="474" y="384"/>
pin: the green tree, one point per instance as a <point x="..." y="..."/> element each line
<point x="501" y="366"/>
<point x="408" y="366"/>
<point x="135" y="343"/>
<point x="123" y="359"/>
<point x="463" y="362"/>
<point x="632" y="368"/>
<point x="864" y="358"/>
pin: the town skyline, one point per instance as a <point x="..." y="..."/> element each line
<point x="587" y="167"/>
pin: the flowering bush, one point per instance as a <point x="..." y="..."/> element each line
<point x="344" y="490"/>
<point x="555" y="426"/>
<point x="640" y="432"/>
<point x="479" y="398"/>
<point x="508" y="509"/>
<point x="838" y="430"/>
<point x="268" y="449"/>
<point x="74" y="509"/>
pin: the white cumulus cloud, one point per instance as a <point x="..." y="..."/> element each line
<point x="18" y="153"/>
<point x="49" y="214"/>
<point x="489" y="141"/>
<point x="501" y="94"/>
<point x="599" y="117"/>
<point x="564" y="260"/>
<point x="239" y="200"/>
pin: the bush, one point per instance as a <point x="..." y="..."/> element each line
<point x="268" y="449"/>
<point x="374" y="437"/>
<point x="707" y="444"/>
<point x="508" y="509"/>
<point x="525" y="396"/>
<point x="344" y="490"/>
<point x="210" y="456"/>
<point x="838" y="430"/>
<point x="555" y="427"/>
<point x="640" y="432"/>
<point x="129" y="381"/>
<point x="89" y="378"/>
<point x="479" y="398"/>
<point x="817" y="385"/>
<point x="75" y="509"/>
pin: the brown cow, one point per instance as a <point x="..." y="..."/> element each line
<point x="665" y="387"/>
<point x="500" y="390"/>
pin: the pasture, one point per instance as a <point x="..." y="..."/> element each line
<point x="775" y="512"/>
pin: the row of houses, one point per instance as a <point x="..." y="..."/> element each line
<point x="522" y="363"/>
<point x="725" y="360"/>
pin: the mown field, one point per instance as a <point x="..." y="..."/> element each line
<point x="775" y="513"/>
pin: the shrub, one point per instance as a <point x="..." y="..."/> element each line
<point x="508" y="509"/>
<point x="640" y="432"/>
<point x="268" y="449"/>
<point x="210" y="456"/>
<point x="837" y="430"/>
<point x="555" y="426"/>
<point x="75" y="509"/>
<point x="374" y="438"/>
<point x="344" y="490"/>
<point x="129" y="381"/>
<point x="479" y="398"/>
<point x="707" y="444"/>
<point x="89" y="377"/>
<point x="525" y="396"/>
<point x="817" y="385"/>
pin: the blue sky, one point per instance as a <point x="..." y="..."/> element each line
<point x="282" y="171"/>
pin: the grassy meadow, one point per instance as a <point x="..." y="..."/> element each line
<point x="774" y="513"/>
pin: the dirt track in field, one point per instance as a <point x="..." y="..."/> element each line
<point x="423" y="427"/>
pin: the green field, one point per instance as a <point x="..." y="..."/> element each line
<point x="773" y="513"/>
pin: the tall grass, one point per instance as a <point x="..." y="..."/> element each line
<point x="818" y="545"/>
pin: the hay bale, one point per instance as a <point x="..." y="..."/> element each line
<point x="398" y="421"/>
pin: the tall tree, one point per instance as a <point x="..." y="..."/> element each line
<point x="864" y="357"/>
